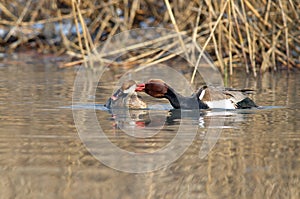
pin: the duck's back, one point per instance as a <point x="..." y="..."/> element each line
<point x="225" y="98"/>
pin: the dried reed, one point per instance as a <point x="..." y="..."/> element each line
<point x="256" y="35"/>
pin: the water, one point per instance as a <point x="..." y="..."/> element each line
<point x="253" y="153"/>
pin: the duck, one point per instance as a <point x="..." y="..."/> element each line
<point x="204" y="98"/>
<point x="126" y="97"/>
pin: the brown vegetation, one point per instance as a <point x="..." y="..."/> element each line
<point x="257" y="35"/>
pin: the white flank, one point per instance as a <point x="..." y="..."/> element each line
<point x="223" y="104"/>
<point x="202" y="95"/>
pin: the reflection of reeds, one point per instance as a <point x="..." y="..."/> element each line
<point x="257" y="35"/>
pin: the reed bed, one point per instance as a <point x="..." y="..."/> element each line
<point x="256" y="35"/>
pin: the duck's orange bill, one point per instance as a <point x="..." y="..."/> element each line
<point x="140" y="87"/>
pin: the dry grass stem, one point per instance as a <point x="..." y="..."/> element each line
<point x="255" y="35"/>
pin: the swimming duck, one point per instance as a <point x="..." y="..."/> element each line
<point x="206" y="97"/>
<point x="126" y="97"/>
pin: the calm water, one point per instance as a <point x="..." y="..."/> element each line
<point x="253" y="154"/>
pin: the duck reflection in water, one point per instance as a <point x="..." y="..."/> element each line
<point x="127" y="107"/>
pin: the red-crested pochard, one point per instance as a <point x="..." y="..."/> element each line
<point x="206" y="97"/>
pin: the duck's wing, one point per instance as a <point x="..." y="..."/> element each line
<point x="214" y="98"/>
<point x="214" y="94"/>
<point x="227" y="98"/>
<point x="211" y="94"/>
<point x="235" y="96"/>
<point x="245" y="90"/>
<point x="240" y="100"/>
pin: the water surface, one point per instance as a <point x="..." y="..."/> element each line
<point x="256" y="155"/>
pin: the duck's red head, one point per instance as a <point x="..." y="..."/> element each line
<point x="154" y="87"/>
